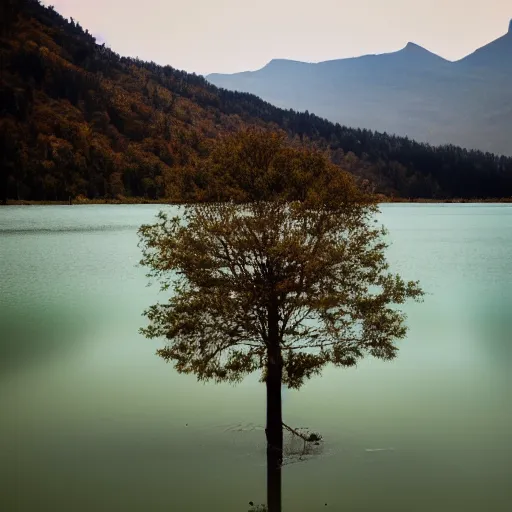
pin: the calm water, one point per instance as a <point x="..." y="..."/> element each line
<point x="92" y="420"/>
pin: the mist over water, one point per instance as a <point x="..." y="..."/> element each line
<point x="93" y="420"/>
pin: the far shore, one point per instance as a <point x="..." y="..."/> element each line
<point x="141" y="200"/>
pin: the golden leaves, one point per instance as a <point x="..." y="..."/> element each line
<point x="313" y="263"/>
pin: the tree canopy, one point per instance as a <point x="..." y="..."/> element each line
<point x="310" y="247"/>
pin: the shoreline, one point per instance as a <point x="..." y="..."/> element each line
<point x="134" y="201"/>
<point x="502" y="200"/>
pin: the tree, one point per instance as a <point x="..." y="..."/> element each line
<point x="289" y="278"/>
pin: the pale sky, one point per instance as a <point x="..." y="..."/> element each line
<point x="227" y="36"/>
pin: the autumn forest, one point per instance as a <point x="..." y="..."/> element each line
<point x="79" y="120"/>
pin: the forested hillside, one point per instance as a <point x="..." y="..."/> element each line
<point x="78" y="119"/>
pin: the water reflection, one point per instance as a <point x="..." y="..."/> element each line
<point x="36" y="334"/>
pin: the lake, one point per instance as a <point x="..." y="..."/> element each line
<point x="92" y="420"/>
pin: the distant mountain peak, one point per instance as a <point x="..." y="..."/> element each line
<point x="416" y="52"/>
<point x="495" y="54"/>
<point x="413" y="47"/>
<point x="280" y="62"/>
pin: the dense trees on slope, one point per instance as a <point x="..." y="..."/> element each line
<point x="78" y="119"/>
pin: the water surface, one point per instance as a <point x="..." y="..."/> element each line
<point x="93" y="420"/>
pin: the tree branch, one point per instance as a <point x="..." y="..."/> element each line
<point x="295" y="432"/>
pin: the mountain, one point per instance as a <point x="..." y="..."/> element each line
<point x="77" y="119"/>
<point x="495" y="56"/>
<point x="411" y="92"/>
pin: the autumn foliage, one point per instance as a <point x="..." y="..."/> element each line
<point x="77" y="119"/>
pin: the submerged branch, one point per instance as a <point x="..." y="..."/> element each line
<point x="296" y="432"/>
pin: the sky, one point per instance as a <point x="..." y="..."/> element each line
<point x="228" y="36"/>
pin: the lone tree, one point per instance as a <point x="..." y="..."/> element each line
<point x="282" y="271"/>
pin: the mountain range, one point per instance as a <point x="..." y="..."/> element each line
<point x="412" y="92"/>
<point x="79" y="120"/>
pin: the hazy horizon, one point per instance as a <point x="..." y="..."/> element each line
<point x="228" y="36"/>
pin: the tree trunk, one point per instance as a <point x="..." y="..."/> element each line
<point x="274" y="429"/>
